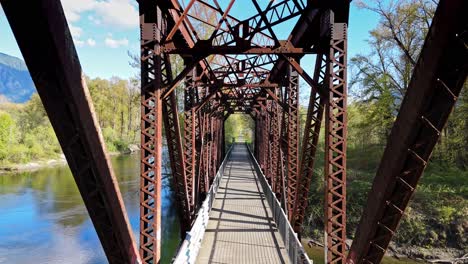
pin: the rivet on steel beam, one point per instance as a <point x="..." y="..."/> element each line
<point x="411" y="188"/>
<point x="454" y="97"/>
<point x="389" y="203"/>
<point x="418" y="157"/>
<point x="377" y="246"/>
<point x="429" y="123"/>
<point x="386" y="227"/>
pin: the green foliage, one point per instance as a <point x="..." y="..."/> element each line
<point x="26" y="134"/>
<point x="239" y="127"/>
<point x="436" y="216"/>
<point x="446" y="214"/>
<point x="7" y="135"/>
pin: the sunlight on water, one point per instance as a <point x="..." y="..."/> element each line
<point x="43" y="218"/>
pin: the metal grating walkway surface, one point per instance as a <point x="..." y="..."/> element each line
<point x="241" y="228"/>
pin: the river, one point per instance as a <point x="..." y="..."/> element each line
<point x="43" y="218"/>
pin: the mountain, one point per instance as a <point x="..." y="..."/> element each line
<point x="16" y="84"/>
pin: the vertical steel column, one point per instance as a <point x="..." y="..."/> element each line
<point x="190" y="125"/>
<point x="176" y="155"/>
<point x="213" y="145"/>
<point x="261" y="135"/>
<point x="265" y="135"/>
<point x="309" y="143"/>
<point x="293" y="140"/>
<point x="283" y="150"/>
<point x="202" y="168"/>
<point x="223" y="137"/>
<point x="275" y="144"/>
<point x="256" y="131"/>
<point x="335" y="147"/>
<point x="268" y="139"/>
<point x="152" y="26"/>
<point x="210" y="157"/>
<point x="220" y="142"/>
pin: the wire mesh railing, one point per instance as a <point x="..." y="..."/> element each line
<point x="190" y="247"/>
<point x="292" y="244"/>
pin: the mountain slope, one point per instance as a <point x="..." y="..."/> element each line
<point x="15" y="82"/>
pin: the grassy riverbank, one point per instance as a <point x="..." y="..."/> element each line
<point x="317" y="255"/>
<point x="436" y="218"/>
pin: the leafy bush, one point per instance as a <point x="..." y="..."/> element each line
<point x="18" y="154"/>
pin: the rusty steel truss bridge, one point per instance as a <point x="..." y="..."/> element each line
<point x="241" y="65"/>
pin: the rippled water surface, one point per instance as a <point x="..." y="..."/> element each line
<point x="43" y="218"/>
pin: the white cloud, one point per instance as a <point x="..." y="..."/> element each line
<point x="79" y="43"/>
<point x="73" y="8"/>
<point x="76" y="31"/>
<point x="115" y="43"/>
<point x="94" y="20"/>
<point x="121" y="13"/>
<point x="91" y="42"/>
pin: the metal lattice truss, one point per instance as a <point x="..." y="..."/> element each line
<point x="242" y="62"/>
<point x="235" y="64"/>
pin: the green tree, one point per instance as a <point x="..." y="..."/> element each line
<point x="7" y="134"/>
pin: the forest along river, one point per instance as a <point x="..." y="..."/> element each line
<point x="43" y="218"/>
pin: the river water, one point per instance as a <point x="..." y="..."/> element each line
<point x="43" y="218"/>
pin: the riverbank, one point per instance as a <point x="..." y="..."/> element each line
<point x="399" y="255"/>
<point x="47" y="163"/>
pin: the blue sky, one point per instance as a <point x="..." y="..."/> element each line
<point x="105" y="30"/>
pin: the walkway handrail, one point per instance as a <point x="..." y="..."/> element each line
<point x="190" y="247"/>
<point x="292" y="244"/>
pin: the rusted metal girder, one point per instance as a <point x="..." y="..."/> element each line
<point x="436" y="82"/>
<point x="252" y="28"/>
<point x="309" y="143"/>
<point x="266" y="143"/>
<point x="275" y="144"/>
<point x="174" y="145"/>
<point x="203" y="167"/>
<point x="335" y="145"/>
<point x="206" y="49"/>
<point x="55" y="69"/>
<point x="267" y="136"/>
<point x="310" y="31"/>
<point x="283" y="152"/>
<point x="152" y="25"/>
<point x="190" y="132"/>
<point x="292" y="157"/>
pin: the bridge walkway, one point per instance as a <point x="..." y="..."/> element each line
<point x="241" y="228"/>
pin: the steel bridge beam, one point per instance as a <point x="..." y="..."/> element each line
<point x="49" y="52"/>
<point x="152" y="25"/>
<point x="437" y="80"/>
<point x="190" y="135"/>
<point x="206" y="49"/>
<point x="309" y="143"/>
<point x="176" y="154"/>
<point x="292" y="157"/>
<point x="335" y="145"/>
